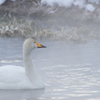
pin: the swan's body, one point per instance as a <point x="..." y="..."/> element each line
<point x="16" y="77"/>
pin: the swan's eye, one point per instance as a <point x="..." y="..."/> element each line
<point x="34" y="42"/>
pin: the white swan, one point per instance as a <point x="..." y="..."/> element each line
<point x="16" y="77"/>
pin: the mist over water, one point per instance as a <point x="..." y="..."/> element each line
<point x="71" y="20"/>
<point x="69" y="71"/>
<point x="70" y="65"/>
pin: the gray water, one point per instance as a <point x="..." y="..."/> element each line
<point x="70" y="71"/>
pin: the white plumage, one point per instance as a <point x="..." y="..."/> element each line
<point x="16" y="77"/>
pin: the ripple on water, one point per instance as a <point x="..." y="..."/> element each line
<point x="69" y="71"/>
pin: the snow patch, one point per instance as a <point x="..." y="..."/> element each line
<point x="2" y="1"/>
<point x="90" y="7"/>
<point x="69" y="3"/>
<point x="79" y="3"/>
<point x="65" y="3"/>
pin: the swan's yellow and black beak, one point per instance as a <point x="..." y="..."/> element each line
<point x="39" y="45"/>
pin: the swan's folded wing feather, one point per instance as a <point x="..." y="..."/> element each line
<point x="14" y="77"/>
<point x="11" y="74"/>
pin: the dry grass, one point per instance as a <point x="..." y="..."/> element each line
<point x="15" y="27"/>
<point x="27" y="28"/>
<point x="74" y="34"/>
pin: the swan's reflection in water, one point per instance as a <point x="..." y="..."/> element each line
<point x="20" y="94"/>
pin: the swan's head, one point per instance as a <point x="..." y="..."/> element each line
<point x="31" y="44"/>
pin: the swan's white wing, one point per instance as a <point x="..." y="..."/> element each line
<point x="11" y="74"/>
<point x="13" y="77"/>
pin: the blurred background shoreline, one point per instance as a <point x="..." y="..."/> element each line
<point x="74" y="20"/>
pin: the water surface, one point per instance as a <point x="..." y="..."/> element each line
<point x="69" y="71"/>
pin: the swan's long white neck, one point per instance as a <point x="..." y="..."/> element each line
<point x="29" y="67"/>
<point x="36" y="81"/>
